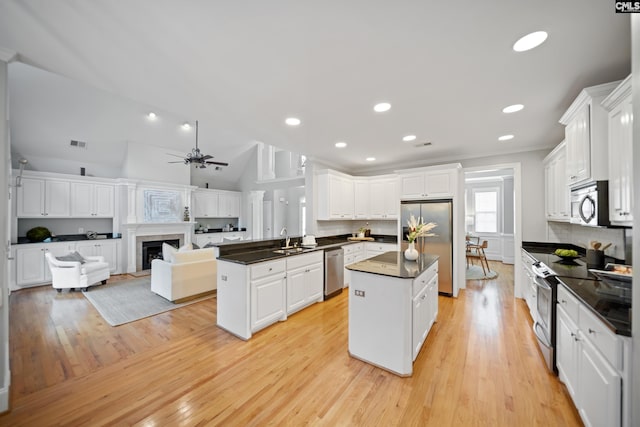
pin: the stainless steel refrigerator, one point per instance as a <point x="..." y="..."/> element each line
<point x="440" y="212"/>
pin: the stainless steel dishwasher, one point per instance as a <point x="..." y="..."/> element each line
<point x="333" y="272"/>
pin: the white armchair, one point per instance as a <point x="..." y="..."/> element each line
<point x="77" y="275"/>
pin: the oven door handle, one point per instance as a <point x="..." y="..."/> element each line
<point x="540" y="335"/>
<point x="541" y="283"/>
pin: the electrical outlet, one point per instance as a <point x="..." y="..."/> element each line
<point x="358" y="293"/>
<point x="80" y="230"/>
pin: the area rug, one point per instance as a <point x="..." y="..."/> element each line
<point x="128" y="300"/>
<point x="474" y="272"/>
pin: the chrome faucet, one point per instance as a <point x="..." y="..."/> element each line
<point x="285" y="233"/>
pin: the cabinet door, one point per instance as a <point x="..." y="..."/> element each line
<point x="268" y="301"/>
<point x="361" y="199"/>
<point x="30" y="198"/>
<point x="439" y="184"/>
<point x="109" y="250"/>
<point x="228" y="205"/>
<point x="345" y="200"/>
<point x="549" y="191"/>
<point x="82" y="198"/>
<point x="384" y="199"/>
<point x="432" y="296"/>
<point x="620" y="164"/>
<point x="104" y="201"/>
<point x="562" y="193"/>
<point x="578" y="139"/>
<point x="314" y="283"/>
<point x="412" y="186"/>
<point x="57" y="200"/>
<point x="30" y="265"/>
<point x="421" y="318"/>
<point x="296" y="293"/>
<point x="205" y="204"/>
<point x="599" y="396"/>
<point x="566" y="351"/>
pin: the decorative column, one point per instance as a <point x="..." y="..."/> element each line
<point x="255" y="203"/>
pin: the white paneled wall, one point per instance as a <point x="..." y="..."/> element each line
<point x="562" y="232"/>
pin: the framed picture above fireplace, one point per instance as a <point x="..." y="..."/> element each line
<point x="162" y="206"/>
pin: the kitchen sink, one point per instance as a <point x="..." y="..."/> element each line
<point x="288" y="251"/>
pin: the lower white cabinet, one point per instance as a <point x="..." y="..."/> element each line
<point x="202" y="239"/>
<point x="305" y="280"/>
<point x="353" y="252"/>
<point x="252" y="297"/>
<point x="591" y="363"/>
<point x="425" y="309"/>
<point x="107" y="249"/>
<point x="372" y="249"/>
<point x="267" y="300"/>
<point x="31" y="265"/>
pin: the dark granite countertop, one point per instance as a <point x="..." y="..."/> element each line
<point x="220" y="230"/>
<point x="395" y="265"/>
<point x="67" y="238"/>
<point x="611" y="304"/>
<point x="260" y="250"/>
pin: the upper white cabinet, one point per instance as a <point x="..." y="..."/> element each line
<point x="335" y="196"/>
<point x="586" y="135"/>
<point x="383" y="198"/>
<point x="618" y="103"/>
<point x="361" y="198"/>
<point x="228" y="204"/>
<point x="39" y="197"/>
<point x="428" y="184"/>
<point x="557" y="192"/>
<point x="91" y="200"/>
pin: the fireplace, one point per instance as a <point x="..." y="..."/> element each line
<point x="153" y="250"/>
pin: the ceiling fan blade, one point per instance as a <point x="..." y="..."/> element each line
<point x="217" y="163"/>
<point x="175" y="155"/>
<point x="179" y="161"/>
<point x="207" y="157"/>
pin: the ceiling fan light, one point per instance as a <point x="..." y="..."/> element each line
<point x="152" y="116"/>
<point x="186" y="126"/>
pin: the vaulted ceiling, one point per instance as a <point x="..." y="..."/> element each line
<point x="242" y="67"/>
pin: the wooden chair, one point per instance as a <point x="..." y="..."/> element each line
<point x="477" y="252"/>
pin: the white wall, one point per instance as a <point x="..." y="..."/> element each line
<point x="5" y="374"/>
<point x="146" y="162"/>
<point x="562" y="232"/>
<point x="635" y="68"/>
<point x="533" y="217"/>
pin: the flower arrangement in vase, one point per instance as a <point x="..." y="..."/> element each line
<point x="417" y="228"/>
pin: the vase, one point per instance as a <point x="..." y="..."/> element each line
<point x="411" y="253"/>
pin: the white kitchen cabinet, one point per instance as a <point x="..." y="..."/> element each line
<point x="41" y="197"/>
<point x="384" y="199"/>
<point x="428" y="185"/>
<point x="268" y="301"/>
<point x="353" y="252"/>
<point x="425" y="309"/>
<point x="586" y="135"/>
<point x="618" y="103"/>
<point x="335" y="196"/>
<point x="305" y="280"/>
<point x="106" y="248"/>
<point x="31" y="265"/>
<point x="361" y="199"/>
<point x="203" y="239"/>
<point x="205" y="204"/>
<point x="372" y="249"/>
<point x="530" y="289"/>
<point x="229" y="204"/>
<point x="592" y="363"/>
<point x="557" y="194"/>
<point x="91" y="200"/>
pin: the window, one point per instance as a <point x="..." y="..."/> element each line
<point x="486" y="210"/>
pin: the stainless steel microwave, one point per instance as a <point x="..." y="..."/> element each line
<point x="590" y="204"/>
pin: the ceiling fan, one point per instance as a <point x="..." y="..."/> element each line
<point x="197" y="158"/>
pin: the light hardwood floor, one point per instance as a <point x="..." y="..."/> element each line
<point x="479" y="366"/>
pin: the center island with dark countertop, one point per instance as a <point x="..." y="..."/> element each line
<point x="393" y="303"/>
<point x="261" y="282"/>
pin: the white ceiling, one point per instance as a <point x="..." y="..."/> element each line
<point x="242" y="67"/>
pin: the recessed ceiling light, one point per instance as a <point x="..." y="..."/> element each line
<point x="152" y="116"/>
<point x="371" y="159"/>
<point x="341" y="144"/>
<point x="409" y="138"/>
<point x="505" y="138"/>
<point x="513" y="108"/>
<point x="530" y="41"/>
<point x="186" y="126"/>
<point x="382" y="107"/>
<point x="292" y="121"/>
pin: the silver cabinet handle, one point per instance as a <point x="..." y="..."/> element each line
<point x="591" y="331"/>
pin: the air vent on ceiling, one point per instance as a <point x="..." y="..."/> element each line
<point x="78" y="144"/>
<point x="422" y="144"/>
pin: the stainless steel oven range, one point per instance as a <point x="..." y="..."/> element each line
<point x="544" y="326"/>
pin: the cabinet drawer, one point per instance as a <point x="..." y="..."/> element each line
<point x="348" y="249"/>
<point x="381" y="247"/>
<point x="601" y="337"/>
<point x="297" y="261"/>
<point x="568" y="302"/>
<point x="349" y="259"/>
<point x="422" y="280"/>
<point x="267" y="269"/>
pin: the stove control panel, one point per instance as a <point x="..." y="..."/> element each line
<point x="542" y="270"/>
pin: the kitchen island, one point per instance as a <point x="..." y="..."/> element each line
<point x="392" y="305"/>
